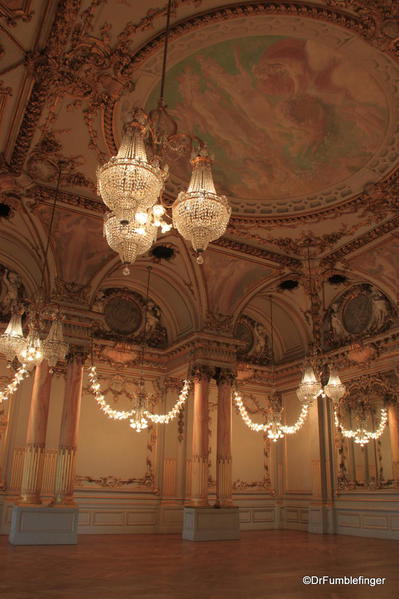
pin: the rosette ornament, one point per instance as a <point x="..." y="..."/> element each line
<point x="129" y="182"/>
<point x="200" y="214"/>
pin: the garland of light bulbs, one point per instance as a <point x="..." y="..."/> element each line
<point x="274" y="429"/>
<point x="146" y="416"/>
<point x="10" y="389"/>
<point x="361" y="435"/>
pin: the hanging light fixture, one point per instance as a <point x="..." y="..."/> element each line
<point x="309" y="387"/>
<point x="361" y="435"/>
<point x="334" y="389"/>
<point x="140" y="415"/>
<point x="200" y="214"/>
<point x="129" y="181"/>
<point x="54" y="346"/>
<point x="274" y="429"/>
<point x="12" y="341"/>
<point x="130" y="185"/>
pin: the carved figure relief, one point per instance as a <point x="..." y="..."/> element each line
<point x="12" y="291"/>
<point x="253" y="333"/>
<point x="361" y="311"/>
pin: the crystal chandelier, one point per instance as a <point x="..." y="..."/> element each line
<point x="334" y="389"/>
<point x="54" y="346"/>
<point x="200" y="214"/>
<point x="361" y="435"/>
<point x="309" y="387"/>
<point x="140" y="415"/>
<point x="129" y="182"/>
<point x="12" y="341"/>
<point x="130" y="185"/>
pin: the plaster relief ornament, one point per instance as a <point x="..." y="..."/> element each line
<point x="11" y="290"/>
<point x="361" y="311"/>
<point x="253" y="333"/>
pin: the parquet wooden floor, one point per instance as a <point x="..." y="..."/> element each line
<point x="263" y="564"/>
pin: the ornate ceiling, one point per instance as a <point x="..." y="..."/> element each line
<point x="298" y="103"/>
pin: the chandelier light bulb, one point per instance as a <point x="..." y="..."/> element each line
<point x="32" y="354"/>
<point x="165" y="227"/>
<point x="158" y="210"/>
<point x="141" y="218"/>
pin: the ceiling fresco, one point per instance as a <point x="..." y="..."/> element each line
<point x="282" y="117"/>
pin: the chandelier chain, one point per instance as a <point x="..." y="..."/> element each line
<point x="165" y="53"/>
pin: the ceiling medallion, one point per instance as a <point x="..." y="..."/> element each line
<point x="131" y="185"/>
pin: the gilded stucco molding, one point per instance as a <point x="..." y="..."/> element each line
<point x="361" y="241"/>
<point x="13" y="15"/>
<point x="264" y="254"/>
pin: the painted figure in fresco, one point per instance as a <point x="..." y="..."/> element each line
<point x="380" y="310"/>
<point x="337" y="328"/>
<point x="290" y="115"/>
<point x="12" y="283"/>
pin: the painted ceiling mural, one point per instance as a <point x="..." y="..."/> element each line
<point x="282" y="116"/>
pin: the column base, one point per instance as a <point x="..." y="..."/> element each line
<point x="211" y="524"/>
<point x="31" y="525"/>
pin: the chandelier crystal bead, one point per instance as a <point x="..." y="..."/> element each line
<point x="129" y="181"/>
<point x="200" y="214"/>
<point x="12" y="341"/>
<point x="309" y="387"/>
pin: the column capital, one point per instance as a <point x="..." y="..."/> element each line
<point x="77" y="353"/>
<point x="202" y="372"/>
<point x="224" y="375"/>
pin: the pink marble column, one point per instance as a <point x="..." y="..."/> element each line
<point x="65" y="472"/>
<point x="224" y="485"/>
<point x="36" y="436"/>
<point x="393" y="421"/>
<point x="199" y="459"/>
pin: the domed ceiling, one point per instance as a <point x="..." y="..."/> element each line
<point x="297" y="114"/>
